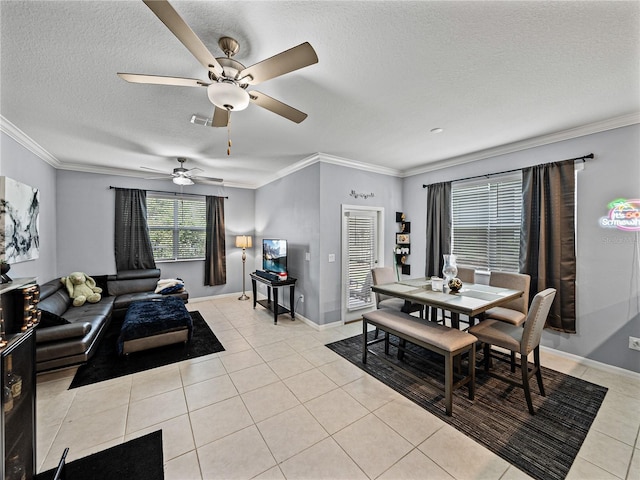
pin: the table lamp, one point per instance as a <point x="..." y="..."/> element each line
<point x="243" y="242"/>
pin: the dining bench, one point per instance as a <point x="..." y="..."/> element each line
<point x="445" y="341"/>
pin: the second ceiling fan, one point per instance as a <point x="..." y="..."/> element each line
<point x="228" y="78"/>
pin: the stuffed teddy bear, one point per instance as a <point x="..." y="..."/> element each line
<point x="82" y="288"/>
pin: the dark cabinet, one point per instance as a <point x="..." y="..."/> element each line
<point x="18" y="314"/>
<point x="18" y="407"/>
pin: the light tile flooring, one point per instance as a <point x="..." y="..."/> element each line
<point x="278" y="404"/>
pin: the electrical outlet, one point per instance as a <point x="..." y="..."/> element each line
<point x="634" y="343"/>
<point x="302" y="298"/>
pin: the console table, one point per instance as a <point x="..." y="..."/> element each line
<point x="275" y="284"/>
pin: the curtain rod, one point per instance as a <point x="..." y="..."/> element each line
<point x="583" y="158"/>
<point x="111" y="187"/>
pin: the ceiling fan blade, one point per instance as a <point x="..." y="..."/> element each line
<point x="220" y="117"/>
<point x="166" y="13"/>
<point x="293" y="59"/>
<point x="191" y="171"/>
<point x="276" y="106"/>
<point x="161" y="80"/>
<point x="207" y="180"/>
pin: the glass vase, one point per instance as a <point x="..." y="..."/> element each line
<point x="450" y="269"/>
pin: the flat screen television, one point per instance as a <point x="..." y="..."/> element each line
<point x="274" y="255"/>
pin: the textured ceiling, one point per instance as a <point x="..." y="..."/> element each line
<point x="488" y="73"/>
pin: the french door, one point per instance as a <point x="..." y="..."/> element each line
<point x="362" y="244"/>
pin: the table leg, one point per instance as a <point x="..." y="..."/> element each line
<point x="292" y="297"/>
<point x="275" y="306"/>
<point x="253" y="286"/>
<point x="455" y="320"/>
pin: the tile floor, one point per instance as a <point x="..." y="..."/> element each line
<point x="278" y="404"/>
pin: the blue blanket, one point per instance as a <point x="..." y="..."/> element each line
<point x="153" y="317"/>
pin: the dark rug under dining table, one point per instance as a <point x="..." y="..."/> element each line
<point x="543" y="445"/>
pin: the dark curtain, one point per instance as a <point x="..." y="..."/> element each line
<point x="215" y="264"/>
<point x="132" y="246"/>
<point x="438" y="227"/>
<point x="547" y="242"/>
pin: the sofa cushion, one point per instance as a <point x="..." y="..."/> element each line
<point x="133" y="281"/>
<point x="57" y="303"/>
<point x="63" y="332"/>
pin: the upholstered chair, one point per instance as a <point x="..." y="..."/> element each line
<point x="518" y="340"/>
<point x="515" y="311"/>
<point x="466" y="275"/>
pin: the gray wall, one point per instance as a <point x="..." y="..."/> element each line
<point x="289" y="208"/>
<point x="86" y="228"/>
<point x="608" y="270"/>
<point x="305" y="209"/>
<point x="20" y="164"/>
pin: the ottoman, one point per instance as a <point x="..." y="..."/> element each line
<point x="154" y="323"/>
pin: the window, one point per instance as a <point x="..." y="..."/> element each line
<point x="486" y="221"/>
<point x="361" y="230"/>
<point x="176" y="227"/>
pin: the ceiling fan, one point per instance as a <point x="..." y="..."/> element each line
<point x="228" y="78"/>
<point x="183" y="176"/>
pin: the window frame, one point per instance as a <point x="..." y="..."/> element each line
<point x="176" y="228"/>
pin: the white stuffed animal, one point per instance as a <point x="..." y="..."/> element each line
<point x="82" y="288"/>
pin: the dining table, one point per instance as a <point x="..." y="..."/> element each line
<point x="472" y="299"/>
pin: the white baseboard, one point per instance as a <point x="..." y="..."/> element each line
<point x="587" y="362"/>
<point x="214" y="297"/>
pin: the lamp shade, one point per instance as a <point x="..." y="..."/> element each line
<point x="243" y="241"/>
<point x="228" y="96"/>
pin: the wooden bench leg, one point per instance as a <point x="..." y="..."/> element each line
<point x="448" y="384"/>
<point x="472" y="372"/>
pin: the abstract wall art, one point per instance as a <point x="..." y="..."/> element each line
<point x="19" y="217"/>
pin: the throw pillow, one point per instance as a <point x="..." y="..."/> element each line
<point x="173" y="289"/>
<point x="48" y="319"/>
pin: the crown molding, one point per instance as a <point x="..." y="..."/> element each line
<point x="23" y="139"/>
<point x="320" y="157"/>
<point x="581" y="131"/>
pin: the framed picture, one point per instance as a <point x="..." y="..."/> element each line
<point x="19" y="221"/>
<point x="402" y="238"/>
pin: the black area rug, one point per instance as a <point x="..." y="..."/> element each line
<point x="107" y="364"/>
<point x="140" y="458"/>
<point x="543" y="445"/>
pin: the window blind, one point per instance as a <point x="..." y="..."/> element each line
<point x="486" y="217"/>
<point x="361" y="244"/>
<point x="176" y="227"/>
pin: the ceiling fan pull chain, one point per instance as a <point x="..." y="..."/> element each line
<point x="229" y="135"/>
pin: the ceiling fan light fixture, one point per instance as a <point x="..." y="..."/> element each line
<point x="182" y="181"/>
<point x="228" y="96"/>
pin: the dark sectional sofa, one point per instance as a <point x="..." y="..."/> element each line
<point x="69" y="335"/>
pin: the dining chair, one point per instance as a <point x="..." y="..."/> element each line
<point x="382" y="275"/>
<point x="517" y="339"/>
<point x="514" y="311"/>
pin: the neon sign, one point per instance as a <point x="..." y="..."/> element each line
<point x="623" y="215"/>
